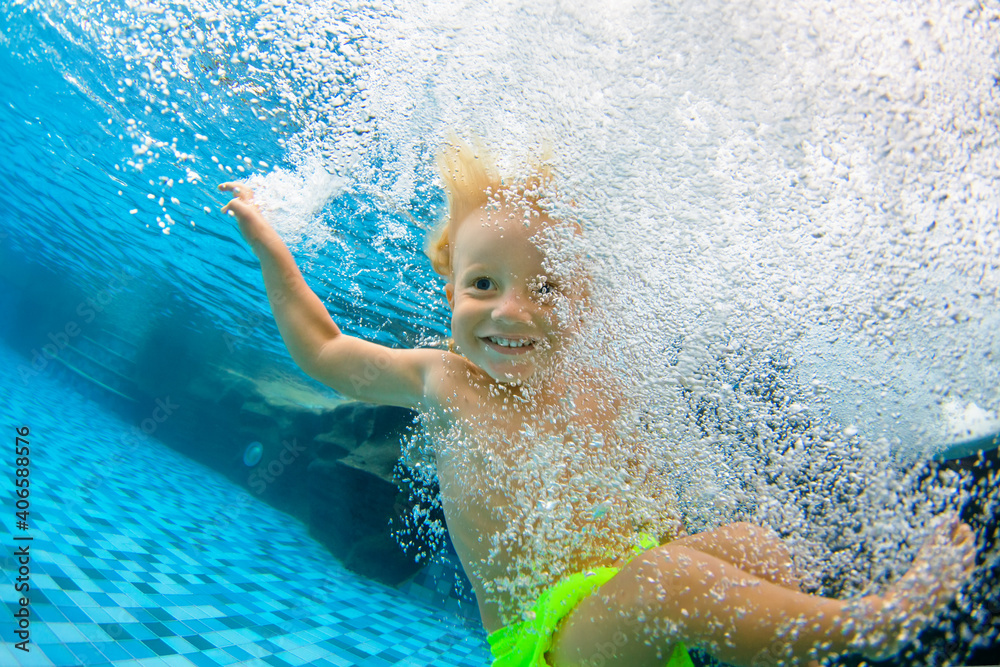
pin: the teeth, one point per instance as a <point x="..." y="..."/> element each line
<point x="507" y="342"/>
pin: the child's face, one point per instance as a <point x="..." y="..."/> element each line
<point x="503" y="305"/>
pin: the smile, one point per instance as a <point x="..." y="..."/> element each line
<point x="505" y="345"/>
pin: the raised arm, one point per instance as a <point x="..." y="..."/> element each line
<point x="354" y="367"/>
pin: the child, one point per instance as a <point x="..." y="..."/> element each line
<point x="541" y="485"/>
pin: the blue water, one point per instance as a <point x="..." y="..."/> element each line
<point x="140" y="556"/>
<point x="69" y="208"/>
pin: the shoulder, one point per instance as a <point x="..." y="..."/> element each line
<point x="453" y="381"/>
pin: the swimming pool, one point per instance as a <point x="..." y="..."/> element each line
<point x="161" y="561"/>
<point x="126" y="293"/>
<point x="139" y="555"/>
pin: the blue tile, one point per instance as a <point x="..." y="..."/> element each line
<point x="181" y="644"/>
<point x="138" y="631"/>
<point x="137" y="648"/>
<point x="334" y="661"/>
<point x="213" y="625"/>
<point x="200" y="642"/>
<point x="160" y="647"/>
<point x="238" y="653"/>
<point x="221" y="657"/>
<point x="42" y="634"/>
<point x="161" y="614"/>
<point x="58" y="598"/>
<point x="95" y="633"/>
<point x="65" y="584"/>
<point x="136" y="572"/>
<point x="66" y="632"/>
<point x="74" y="614"/>
<point x="142" y="614"/>
<point x="201" y="660"/>
<point x="47" y="613"/>
<point x="113" y="650"/>
<point x="158" y="629"/>
<point x="59" y="654"/>
<point x="176" y="661"/>
<point x="87" y="653"/>
<point x="198" y="626"/>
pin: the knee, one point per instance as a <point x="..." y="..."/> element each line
<point x="661" y="572"/>
<point x="743" y="527"/>
<point x="751" y="531"/>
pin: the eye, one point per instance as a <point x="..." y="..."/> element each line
<point x="482" y="283"/>
<point x="545" y="290"/>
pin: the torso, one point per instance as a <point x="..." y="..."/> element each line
<point x="532" y="490"/>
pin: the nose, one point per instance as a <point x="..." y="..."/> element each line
<point x="512" y="306"/>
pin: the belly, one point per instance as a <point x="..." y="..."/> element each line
<point x="525" y="510"/>
<point x="513" y="546"/>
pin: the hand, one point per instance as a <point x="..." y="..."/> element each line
<point x="244" y="209"/>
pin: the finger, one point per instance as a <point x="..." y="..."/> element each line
<point x="239" y="189"/>
<point x="237" y="207"/>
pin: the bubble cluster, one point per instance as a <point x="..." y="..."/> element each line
<point x="202" y="92"/>
<point x="788" y="213"/>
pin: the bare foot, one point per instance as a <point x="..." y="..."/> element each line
<point x="943" y="564"/>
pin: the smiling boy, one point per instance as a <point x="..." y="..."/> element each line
<point x="503" y="320"/>
<point x="541" y="486"/>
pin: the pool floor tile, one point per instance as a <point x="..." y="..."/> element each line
<point x="158" y="561"/>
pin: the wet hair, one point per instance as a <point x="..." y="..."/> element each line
<point x="471" y="181"/>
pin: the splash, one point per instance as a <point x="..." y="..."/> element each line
<point x="788" y="210"/>
<point x="293" y="200"/>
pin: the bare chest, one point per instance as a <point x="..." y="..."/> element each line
<point x="531" y="498"/>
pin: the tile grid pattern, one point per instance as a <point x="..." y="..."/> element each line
<point x="143" y="557"/>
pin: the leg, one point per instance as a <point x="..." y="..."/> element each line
<point x="751" y="548"/>
<point x="675" y="593"/>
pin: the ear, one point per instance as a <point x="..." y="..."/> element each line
<point x="449" y="293"/>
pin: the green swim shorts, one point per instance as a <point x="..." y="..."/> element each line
<point x="524" y="644"/>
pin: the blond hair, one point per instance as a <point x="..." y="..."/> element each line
<point x="471" y="181"/>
